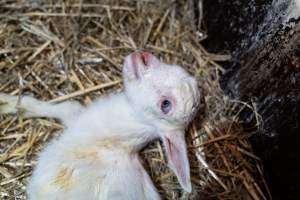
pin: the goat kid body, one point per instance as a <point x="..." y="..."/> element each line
<point x="96" y="157"/>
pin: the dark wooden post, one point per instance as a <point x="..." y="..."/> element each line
<point x="265" y="69"/>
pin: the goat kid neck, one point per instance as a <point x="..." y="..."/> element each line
<point x="111" y="118"/>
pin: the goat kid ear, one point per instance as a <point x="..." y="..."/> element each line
<point x="138" y="63"/>
<point x="177" y="155"/>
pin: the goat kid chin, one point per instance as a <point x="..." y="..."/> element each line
<point x="97" y="155"/>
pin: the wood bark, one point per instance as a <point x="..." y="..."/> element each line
<point x="267" y="74"/>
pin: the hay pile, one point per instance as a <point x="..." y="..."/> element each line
<point x="74" y="49"/>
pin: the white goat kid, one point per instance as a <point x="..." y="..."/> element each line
<point x="97" y="155"/>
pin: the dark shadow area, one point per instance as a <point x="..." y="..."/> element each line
<point x="265" y="69"/>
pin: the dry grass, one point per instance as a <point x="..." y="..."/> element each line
<point x="74" y="49"/>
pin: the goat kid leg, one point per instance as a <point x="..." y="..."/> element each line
<point x="30" y="107"/>
<point x="149" y="188"/>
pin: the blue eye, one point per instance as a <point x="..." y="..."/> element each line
<point x="166" y="106"/>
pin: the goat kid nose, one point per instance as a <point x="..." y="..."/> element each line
<point x="143" y="59"/>
<point x="139" y="62"/>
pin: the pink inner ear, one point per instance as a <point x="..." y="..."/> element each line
<point x="174" y="154"/>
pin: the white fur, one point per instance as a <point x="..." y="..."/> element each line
<point x="96" y="158"/>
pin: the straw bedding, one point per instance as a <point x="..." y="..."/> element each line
<point x="74" y="49"/>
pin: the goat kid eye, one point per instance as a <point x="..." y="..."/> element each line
<point x="166" y="106"/>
